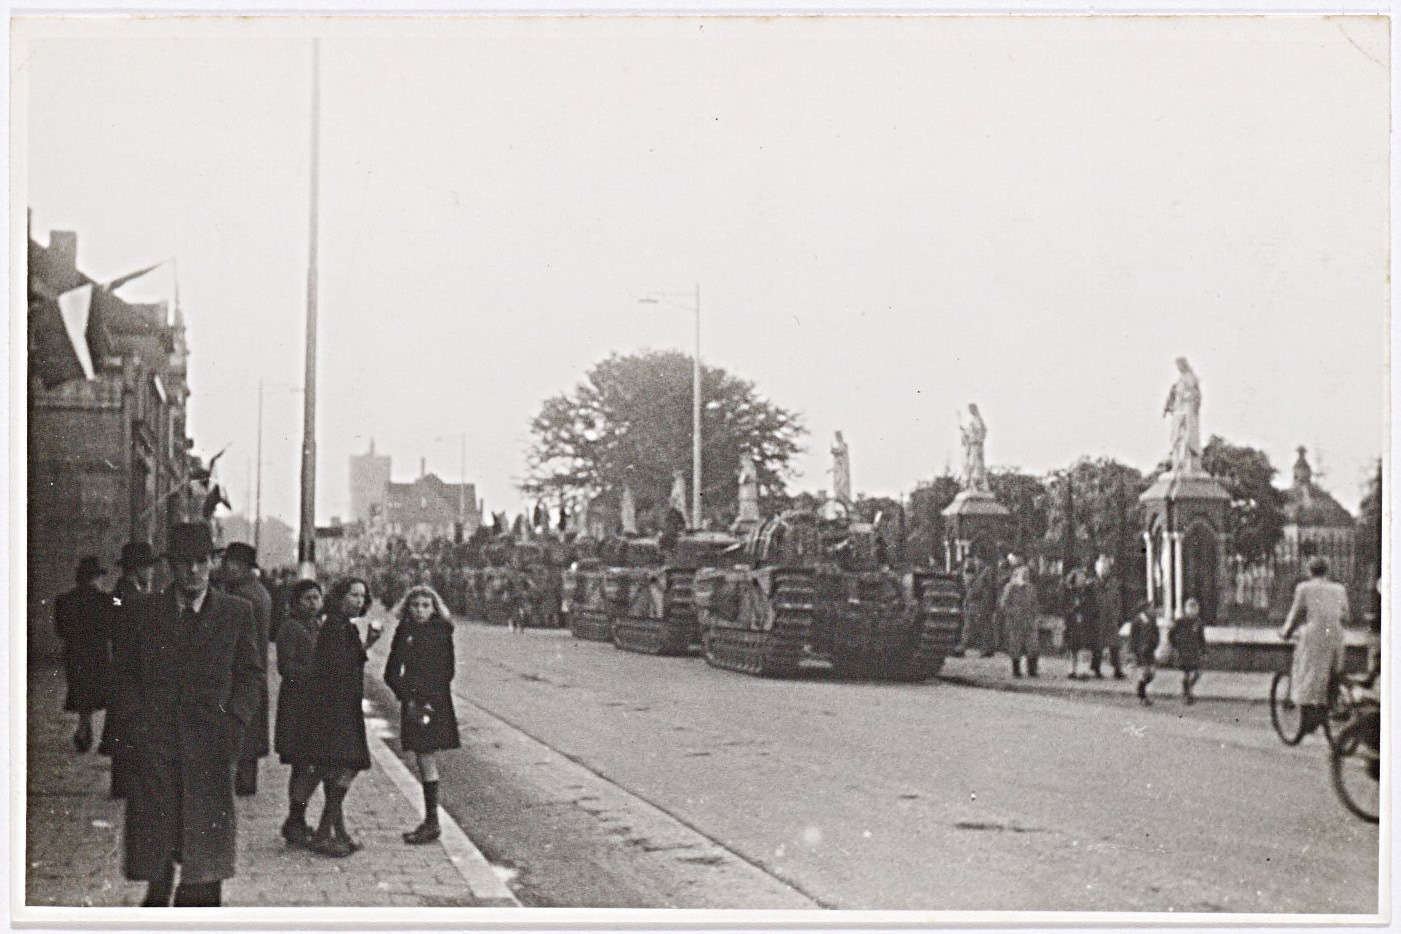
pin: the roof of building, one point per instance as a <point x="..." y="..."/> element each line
<point x="1308" y="505"/>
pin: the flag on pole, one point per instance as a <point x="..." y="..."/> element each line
<point x="120" y="281"/>
<point x="74" y="307"/>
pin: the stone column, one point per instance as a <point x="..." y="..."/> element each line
<point x="1176" y="575"/>
<point x="1148" y="564"/>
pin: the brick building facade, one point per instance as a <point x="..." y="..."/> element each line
<point x="108" y="454"/>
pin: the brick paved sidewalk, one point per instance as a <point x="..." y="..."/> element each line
<point x="73" y="834"/>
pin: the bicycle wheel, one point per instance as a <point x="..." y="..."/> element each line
<point x="1340" y="716"/>
<point x="1287" y="716"/>
<point x="1356" y="774"/>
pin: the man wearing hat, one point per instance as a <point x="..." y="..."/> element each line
<point x="82" y="618"/>
<point x="192" y="676"/>
<point x="239" y="579"/>
<point x="137" y="565"/>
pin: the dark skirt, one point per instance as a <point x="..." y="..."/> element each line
<point x="440" y="731"/>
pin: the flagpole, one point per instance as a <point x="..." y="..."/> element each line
<point x="258" y="495"/>
<point x="306" y="545"/>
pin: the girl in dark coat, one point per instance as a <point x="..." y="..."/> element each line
<point x="296" y="643"/>
<point x="335" y="722"/>
<point x="419" y="672"/>
<point x="83" y="619"/>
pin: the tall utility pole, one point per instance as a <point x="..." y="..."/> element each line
<point x="306" y="544"/>
<point x="696" y="424"/>
<point x="258" y="495"/>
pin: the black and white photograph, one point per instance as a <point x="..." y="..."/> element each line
<point x="680" y="468"/>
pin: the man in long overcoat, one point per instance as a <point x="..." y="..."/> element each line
<point x="192" y="682"/>
<point x="1109" y="606"/>
<point x="82" y="619"/>
<point x="240" y="560"/>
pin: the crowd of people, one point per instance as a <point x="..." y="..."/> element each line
<point x="182" y="674"/>
<point x="1003" y="609"/>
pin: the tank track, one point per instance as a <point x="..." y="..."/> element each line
<point x="590" y="624"/>
<point x="941" y="629"/>
<point x="775" y="652"/>
<point x="670" y="635"/>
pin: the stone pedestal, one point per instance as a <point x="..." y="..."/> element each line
<point x="1186" y="544"/>
<point x="976" y="522"/>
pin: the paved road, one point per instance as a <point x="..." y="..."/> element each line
<point x="612" y="779"/>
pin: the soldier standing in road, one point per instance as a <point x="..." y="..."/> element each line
<point x="193" y="678"/>
<point x="979" y="606"/>
<point x="1019" y="609"/>
<point x="240" y="580"/>
<point x="82" y="619"/>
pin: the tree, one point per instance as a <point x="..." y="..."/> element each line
<point x="1098" y="515"/>
<point x="1255" y="519"/>
<point x="925" y="544"/>
<point x="1025" y="497"/>
<point x="629" y="421"/>
<point x="1369" y="539"/>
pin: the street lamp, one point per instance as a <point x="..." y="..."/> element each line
<point x="664" y="298"/>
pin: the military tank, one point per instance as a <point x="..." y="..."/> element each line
<point x="814" y="591"/>
<point x="655" y="602"/>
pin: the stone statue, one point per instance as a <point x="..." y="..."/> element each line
<point x="1184" y="404"/>
<point x="748" y="491"/>
<point x="975" y="469"/>
<point x="677" y="499"/>
<point x="841" y="471"/>
<point x="628" y="510"/>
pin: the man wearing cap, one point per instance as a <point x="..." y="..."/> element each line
<point x="137" y="565"/>
<point x="240" y="560"/>
<point x="82" y="618"/>
<point x="192" y="676"/>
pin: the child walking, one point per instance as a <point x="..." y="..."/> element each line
<point x="1188" y="637"/>
<point x="1143" y="643"/>
<point x="419" y="672"/>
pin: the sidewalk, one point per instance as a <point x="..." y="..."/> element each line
<point x="996" y="673"/>
<point x="73" y="833"/>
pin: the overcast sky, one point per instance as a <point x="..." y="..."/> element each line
<point x="887" y="220"/>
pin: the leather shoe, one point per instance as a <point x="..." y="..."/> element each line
<point x="296" y="833"/>
<point x="328" y="845"/>
<point x="423" y="833"/>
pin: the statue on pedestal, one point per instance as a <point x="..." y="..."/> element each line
<point x="841" y="471"/>
<point x="1184" y="404"/>
<point x="975" y="470"/>
<point x="677" y="500"/>
<point x="628" y="512"/>
<point x="748" y="491"/>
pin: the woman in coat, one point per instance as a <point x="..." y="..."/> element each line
<point x="1320" y="610"/>
<point x="82" y="619"/>
<point x="296" y="642"/>
<point x="419" y="672"/>
<point x="335" y="722"/>
<point x="1019" y="609"/>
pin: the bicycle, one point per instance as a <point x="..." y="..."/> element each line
<point x="1355" y="761"/>
<point x="1287" y="717"/>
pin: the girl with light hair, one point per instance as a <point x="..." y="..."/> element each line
<point x="420" y="671"/>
